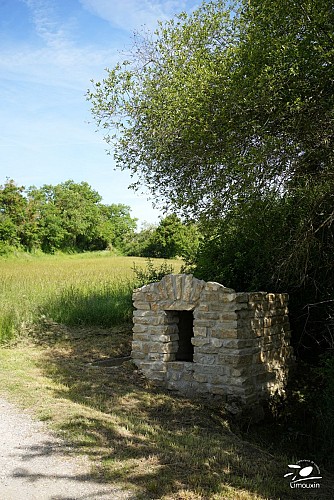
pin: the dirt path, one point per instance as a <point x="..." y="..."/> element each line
<point x="35" y="465"/>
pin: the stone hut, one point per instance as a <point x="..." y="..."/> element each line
<point x="198" y="337"/>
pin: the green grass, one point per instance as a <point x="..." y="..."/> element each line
<point x="146" y="439"/>
<point x="80" y="289"/>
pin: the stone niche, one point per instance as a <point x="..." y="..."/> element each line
<point x="203" y="338"/>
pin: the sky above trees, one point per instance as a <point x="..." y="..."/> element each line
<point x="50" y="50"/>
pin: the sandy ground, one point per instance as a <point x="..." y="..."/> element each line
<point x="35" y="465"/>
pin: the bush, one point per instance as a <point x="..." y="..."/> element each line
<point x="325" y="411"/>
<point x="151" y="274"/>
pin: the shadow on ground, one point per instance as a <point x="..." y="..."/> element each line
<point x="164" y="445"/>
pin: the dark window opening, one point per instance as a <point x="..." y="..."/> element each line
<point x="185" y="350"/>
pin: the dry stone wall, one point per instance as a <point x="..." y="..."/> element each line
<point x="199" y="337"/>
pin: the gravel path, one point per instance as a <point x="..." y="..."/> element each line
<point x="35" y="465"/>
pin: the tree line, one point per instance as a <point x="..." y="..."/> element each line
<point x="70" y="216"/>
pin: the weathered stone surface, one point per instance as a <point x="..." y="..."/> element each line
<point x="240" y="341"/>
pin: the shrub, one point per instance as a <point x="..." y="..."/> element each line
<point x="151" y="273"/>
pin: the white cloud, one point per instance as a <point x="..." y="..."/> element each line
<point x="51" y="30"/>
<point x="132" y="14"/>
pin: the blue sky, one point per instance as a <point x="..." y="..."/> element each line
<point x="50" y="50"/>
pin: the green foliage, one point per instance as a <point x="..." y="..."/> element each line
<point x="226" y="115"/>
<point x="151" y="273"/>
<point x="66" y="217"/>
<point x="122" y="225"/>
<point x="171" y="238"/>
<point x="137" y="244"/>
<point x="222" y="106"/>
<point x="325" y="408"/>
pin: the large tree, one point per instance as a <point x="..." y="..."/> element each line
<point x="226" y="115"/>
<point x="225" y="103"/>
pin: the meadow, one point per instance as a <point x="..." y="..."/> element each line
<point x="79" y="289"/>
<point x="66" y="313"/>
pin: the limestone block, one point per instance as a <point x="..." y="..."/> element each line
<point x="150" y="320"/>
<point x="157" y="376"/>
<point x="206" y="316"/>
<point x="219" y="390"/>
<point x="211" y="369"/>
<point x="235" y="360"/>
<point x="159" y="347"/>
<point x="187" y="377"/>
<point x="200" y="377"/>
<point x="238" y="343"/>
<point x="202" y="307"/>
<point x="214" y="286"/>
<point x="137" y="346"/>
<point x="146" y="337"/>
<point x="202" y="323"/>
<point x="138" y="313"/>
<point x="205" y="359"/>
<point x="196" y="291"/>
<point x="141" y="305"/>
<point x="160" y="329"/>
<point x="173" y="375"/>
<point x="217" y="306"/>
<point x="176" y="305"/>
<point x="228" y="316"/>
<point x="178" y="279"/>
<point x="223" y="333"/>
<point x="161" y="288"/>
<point x="160" y="356"/>
<point x="217" y="343"/>
<point x="185" y="366"/>
<point x="206" y="349"/>
<point x="200" y="331"/>
<point x="200" y="342"/>
<point x="241" y="371"/>
<point x="175" y="366"/>
<point x="168" y="283"/>
<point x="187" y="287"/>
<point x="153" y="366"/>
<point x="138" y="295"/>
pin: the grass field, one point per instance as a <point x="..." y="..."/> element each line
<point x="151" y="441"/>
<point x="86" y="289"/>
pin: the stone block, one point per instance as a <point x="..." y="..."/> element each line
<point x="214" y="286"/>
<point x="150" y="320"/>
<point x="223" y="333"/>
<point x="206" y="349"/>
<point x="238" y="343"/>
<point x="206" y="316"/>
<point x="178" y="286"/>
<point x="200" y="331"/>
<point x="217" y="379"/>
<point x="196" y="291"/>
<point x="242" y="298"/>
<point x="201" y="377"/>
<point x="142" y="305"/>
<point x="205" y="359"/>
<point x="187" y="287"/>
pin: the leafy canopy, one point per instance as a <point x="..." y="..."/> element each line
<point x="225" y="104"/>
